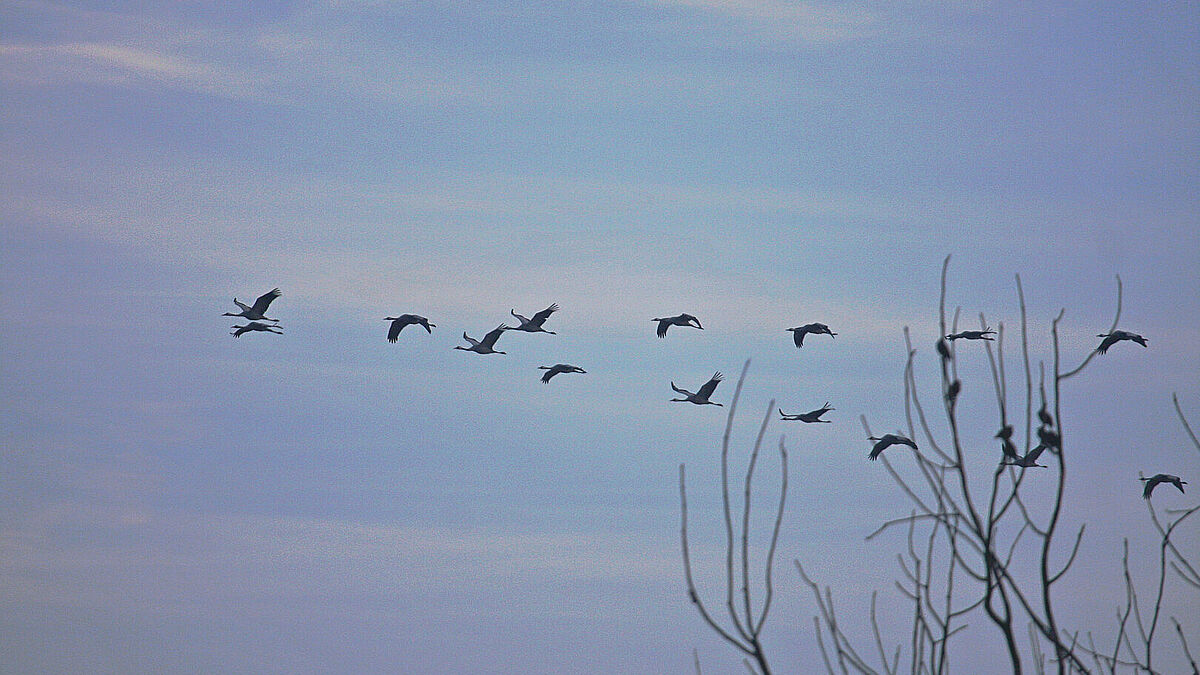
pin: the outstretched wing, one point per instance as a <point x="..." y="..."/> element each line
<point x="394" y="330"/>
<point x="663" y="325"/>
<point x="798" y="336"/>
<point x="1107" y="342"/>
<point x="1150" y="483"/>
<point x="1033" y="454"/>
<point x="550" y="372"/>
<point x="540" y="318"/>
<point x="685" y="392"/>
<point x="489" y="340"/>
<point x="709" y="386"/>
<point x="264" y="300"/>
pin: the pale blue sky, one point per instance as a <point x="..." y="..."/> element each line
<point x="174" y="500"/>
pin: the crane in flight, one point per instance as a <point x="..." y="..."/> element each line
<point x="487" y="344"/>
<point x="255" y="326"/>
<point x="534" y="323"/>
<point x="1028" y="460"/>
<point x="985" y="334"/>
<point x="681" y="320"/>
<point x="809" y="417"/>
<point x="701" y="396"/>
<point x="799" y="332"/>
<point x="256" y="312"/>
<point x="557" y="368"/>
<point x="887" y="440"/>
<point x="1116" y="336"/>
<point x="1157" y="478"/>
<point x="399" y="322"/>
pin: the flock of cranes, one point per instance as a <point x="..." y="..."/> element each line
<point x="1048" y="438"/>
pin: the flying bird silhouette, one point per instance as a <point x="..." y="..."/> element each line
<point x="1116" y="336"/>
<point x="701" y="396"/>
<point x="399" y="322"/>
<point x="534" y="324"/>
<point x="681" y="320"/>
<point x="1157" y="478"/>
<point x="985" y="334"/>
<point x="255" y="326"/>
<point x="557" y="368"/>
<point x="1030" y="458"/>
<point x="257" y="311"/>
<point x="487" y="344"/>
<point x="799" y="332"/>
<point x="887" y="440"/>
<point x="810" y="417"/>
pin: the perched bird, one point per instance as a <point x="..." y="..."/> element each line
<point x="953" y="390"/>
<point x="534" y="324"/>
<point x="1030" y="458"/>
<point x="943" y="348"/>
<point x="1049" y="438"/>
<point x="255" y="326"/>
<point x="1116" y="336"/>
<point x="1045" y="416"/>
<point x="487" y="344"/>
<point x="985" y="334"/>
<point x="681" y="320"/>
<point x="1161" y="478"/>
<point x="257" y="312"/>
<point x="799" y="332"/>
<point x="557" y="368"/>
<point x="887" y="440"/>
<point x="701" y="396"/>
<point x="399" y="322"/>
<point x="1009" y="449"/>
<point x="811" y="416"/>
<point x="1005" y="432"/>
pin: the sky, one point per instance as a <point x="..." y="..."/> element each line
<point x="174" y="500"/>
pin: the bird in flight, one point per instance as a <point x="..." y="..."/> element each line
<point x="1030" y="458"/>
<point x="534" y="324"/>
<point x="799" y="332"/>
<point x="681" y="320"/>
<point x="701" y="396"/>
<point x="1116" y="336"/>
<point x="258" y="310"/>
<point x="810" y="417"/>
<point x="557" y="368"/>
<point x="1160" y="478"/>
<point x="885" y="441"/>
<point x="399" y="322"/>
<point x="487" y="344"/>
<point x="985" y="334"/>
<point x="255" y="326"/>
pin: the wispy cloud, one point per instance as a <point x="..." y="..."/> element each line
<point x="115" y="64"/>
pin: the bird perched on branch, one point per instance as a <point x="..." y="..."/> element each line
<point x="1030" y="458"/>
<point x="1160" y="478"/>
<point x="701" y="396"/>
<point x="809" y="417"/>
<point x="887" y="440"/>
<point x="256" y="312"/>
<point x="799" y="332"/>
<point x="255" y="326"/>
<point x="399" y="322"/>
<point x="487" y="344"/>
<point x="557" y="368"/>
<point x="534" y="324"/>
<point x="1116" y="336"/>
<point x="985" y="334"/>
<point x="681" y="320"/>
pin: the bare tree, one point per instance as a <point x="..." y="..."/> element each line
<point x="980" y="540"/>
<point x="745" y="623"/>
